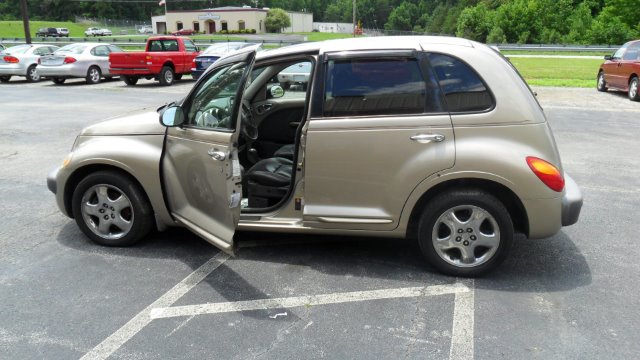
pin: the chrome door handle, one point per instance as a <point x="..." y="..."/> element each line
<point x="217" y="155"/>
<point x="425" y="138"/>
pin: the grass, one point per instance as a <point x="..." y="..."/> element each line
<point x="15" y="29"/>
<point x="318" y="36"/>
<point x="568" y="53"/>
<point x="558" y="72"/>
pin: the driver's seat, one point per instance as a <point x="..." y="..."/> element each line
<point x="268" y="181"/>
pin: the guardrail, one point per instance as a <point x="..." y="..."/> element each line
<point x="135" y="42"/>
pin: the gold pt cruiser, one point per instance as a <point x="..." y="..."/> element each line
<point x="433" y="138"/>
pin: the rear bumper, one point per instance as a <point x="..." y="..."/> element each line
<point x="195" y="74"/>
<point x="571" y="202"/>
<point x="13" y="69"/>
<point x="52" y="180"/>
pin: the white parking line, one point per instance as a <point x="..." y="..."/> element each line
<point x="311" y="300"/>
<point x="126" y="332"/>
<point x="463" y="323"/>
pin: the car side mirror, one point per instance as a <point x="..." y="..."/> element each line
<point x="172" y="116"/>
<point x="276" y="91"/>
<point x="608" y="57"/>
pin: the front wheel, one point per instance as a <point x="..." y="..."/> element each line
<point x="32" y="74"/>
<point x="93" y="75"/>
<point x="58" y="80"/>
<point x="601" y="84"/>
<point x="633" y="89"/>
<point x="112" y="209"/>
<point x="465" y="232"/>
<point x="130" y="80"/>
<point x="167" y="76"/>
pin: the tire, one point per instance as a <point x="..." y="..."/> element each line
<point x="112" y="209"/>
<point x="447" y="233"/>
<point x="32" y="74"/>
<point x="130" y="80"/>
<point x="58" y="80"/>
<point x="601" y="84"/>
<point x="167" y="76"/>
<point x="178" y="76"/>
<point x="5" y="79"/>
<point x="633" y="89"/>
<point x="93" y="75"/>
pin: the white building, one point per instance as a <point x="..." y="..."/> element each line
<point x="211" y="21"/>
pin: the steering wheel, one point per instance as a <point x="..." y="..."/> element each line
<point x="249" y="128"/>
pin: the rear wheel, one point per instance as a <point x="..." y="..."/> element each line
<point x="58" y="80"/>
<point x="167" y="76"/>
<point x="465" y="232"/>
<point x="111" y="209"/>
<point x="601" y="84"/>
<point x="633" y="89"/>
<point x="93" y="75"/>
<point x="130" y="80"/>
<point x="32" y="74"/>
<point x="5" y="79"/>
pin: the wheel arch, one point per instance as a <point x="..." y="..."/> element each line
<point x="633" y="75"/>
<point x="509" y="199"/>
<point x="170" y="64"/>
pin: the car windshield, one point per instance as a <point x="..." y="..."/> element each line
<point x="222" y="48"/>
<point x="72" y="49"/>
<point x="18" y="49"/>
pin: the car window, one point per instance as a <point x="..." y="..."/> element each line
<point x="212" y="105"/>
<point x="464" y="90"/>
<point x="113" y="48"/>
<point x="53" y="49"/>
<point x="189" y="46"/>
<point x="294" y="79"/>
<point x="374" y="87"/>
<point x="72" y="49"/>
<point x="41" y="51"/>
<point x="163" y="45"/>
<point x="100" y="51"/>
<point x="618" y="54"/>
<point x="632" y="52"/>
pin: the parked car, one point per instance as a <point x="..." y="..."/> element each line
<point x="181" y="32"/>
<point x="2" y="47"/>
<point x="105" y="32"/>
<point x="21" y="60"/>
<point x="621" y="70"/>
<point x="81" y="60"/>
<point x="147" y="29"/>
<point x="373" y="153"/>
<point x="62" y="32"/>
<point x="297" y="74"/>
<point x="213" y="53"/>
<point x="166" y="59"/>
<point x="47" y="32"/>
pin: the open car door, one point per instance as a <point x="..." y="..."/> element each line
<point x="200" y="167"/>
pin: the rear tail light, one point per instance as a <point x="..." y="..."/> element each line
<point x="69" y="60"/>
<point x="11" y="59"/>
<point x="545" y="171"/>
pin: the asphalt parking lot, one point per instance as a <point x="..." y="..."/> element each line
<point x="572" y="296"/>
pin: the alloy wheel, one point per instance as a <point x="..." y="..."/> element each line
<point x="107" y="211"/>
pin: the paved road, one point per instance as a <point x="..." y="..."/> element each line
<point x="570" y="296"/>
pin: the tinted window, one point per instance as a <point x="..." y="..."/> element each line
<point x="463" y="89"/>
<point x="374" y="87"/>
<point x="189" y="46"/>
<point x="632" y="52"/>
<point x="163" y="45"/>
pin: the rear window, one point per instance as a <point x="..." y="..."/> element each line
<point x="18" y="49"/>
<point x="163" y="45"/>
<point x="374" y="87"/>
<point x="463" y="88"/>
<point x="72" y="49"/>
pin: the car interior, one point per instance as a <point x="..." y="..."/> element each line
<point x="272" y="120"/>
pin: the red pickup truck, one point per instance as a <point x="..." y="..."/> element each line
<point x="166" y="59"/>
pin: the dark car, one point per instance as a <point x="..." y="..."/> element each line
<point x="213" y="53"/>
<point x="47" y="32"/>
<point x="621" y="71"/>
<point x="183" y="32"/>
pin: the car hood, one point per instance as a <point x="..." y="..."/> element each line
<point x="142" y="122"/>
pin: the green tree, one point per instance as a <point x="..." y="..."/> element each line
<point x="277" y="19"/>
<point x="475" y="23"/>
<point x="608" y="28"/>
<point x="496" y="36"/>
<point x="403" y="17"/>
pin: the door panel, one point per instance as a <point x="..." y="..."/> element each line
<point x="278" y="120"/>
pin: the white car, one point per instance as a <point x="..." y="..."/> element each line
<point x="97" y="32"/>
<point x="146" y="30"/>
<point x="81" y="60"/>
<point x="21" y="60"/>
<point x="63" y="32"/>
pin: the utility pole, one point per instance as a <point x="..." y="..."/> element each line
<point x="25" y="20"/>
<point x="354" y="18"/>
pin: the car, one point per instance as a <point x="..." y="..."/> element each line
<point x="2" y="47"/>
<point x="105" y="32"/>
<point x="92" y="32"/>
<point x="297" y="74"/>
<point x="82" y="60"/>
<point x="146" y="29"/>
<point x="213" y="53"/>
<point x="621" y="71"/>
<point x="181" y="32"/>
<point x="62" y="32"/>
<point x="22" y="60"/>
<point x="435" y="139"/>
<point x="47" y="32"/>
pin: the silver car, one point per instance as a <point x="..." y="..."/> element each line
<point x="83" y="60"/>
<point x="21" y="60"/>
<point x="430" y="138"/>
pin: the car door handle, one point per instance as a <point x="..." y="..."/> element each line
<point x="216" y="154"/>
<point x="425" y="138"/>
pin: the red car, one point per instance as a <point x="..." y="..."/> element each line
<point x="183" y="32"/>
<point x="622" y="70"/>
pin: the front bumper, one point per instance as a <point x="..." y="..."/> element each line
<point x="571" y="201"/>
<point x="52" y="180"/>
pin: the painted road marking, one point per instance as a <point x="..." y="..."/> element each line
<point x="311" y="300"/>
<point x="463" y="323"/>
<point x="126" y="332"/>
